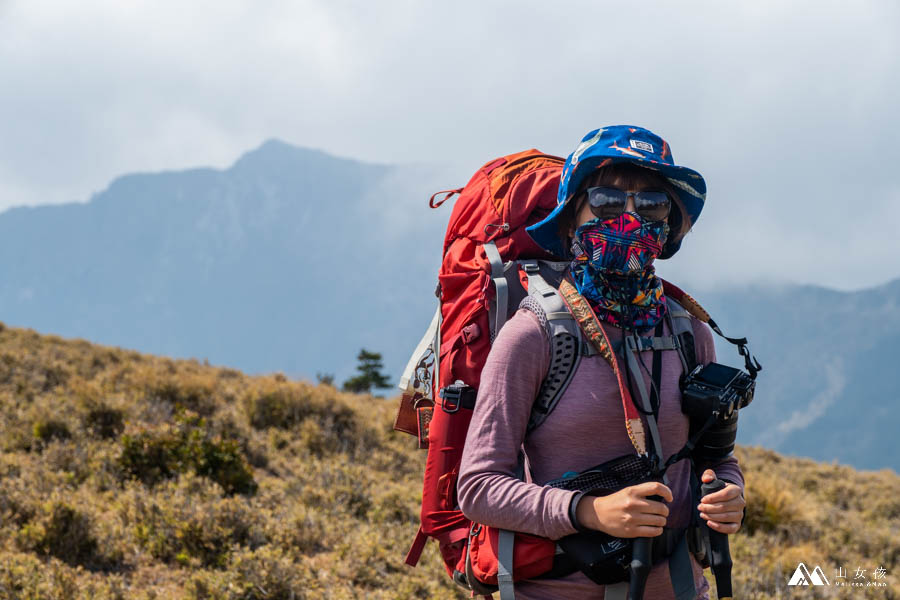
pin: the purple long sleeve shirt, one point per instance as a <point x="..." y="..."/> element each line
<point x="586" y="428"/>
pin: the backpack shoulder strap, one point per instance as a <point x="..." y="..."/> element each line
<point x="567" y="344"/>
<point x="683" y="331"/>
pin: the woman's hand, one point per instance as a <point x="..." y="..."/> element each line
<point x="724" y="509"/>
<point x="627" y="513"/>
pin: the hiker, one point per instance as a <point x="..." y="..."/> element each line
<point x="619" y="208"/>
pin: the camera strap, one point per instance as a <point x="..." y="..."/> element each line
<point x="596" y="335"/>
<point x="693" y="307"/>
<point x="631" y="348"/>
<point x="750" y="363"/>
<point x="655" y="392"/>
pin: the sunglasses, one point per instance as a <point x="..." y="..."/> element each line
<point x="609" y="203"/>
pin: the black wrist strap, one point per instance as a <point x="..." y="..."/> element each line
<point x="573" y="513"/>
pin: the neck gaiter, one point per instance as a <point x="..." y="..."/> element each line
<point x="613" y="269"/>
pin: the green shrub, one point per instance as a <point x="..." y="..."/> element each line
<point x="261" y="574"/>
<point x="397" y="506"/>
<point x="302" y="529"/>
<point x="187" y="523"/>
<point x="104" y="421"/>
<point x="28" y="577"/>
<point x="770" y="506"/>
<point x="190" y="391"/>
<point x="278" y="404"/>
<point x="62" y="531"/>
<point x="152" y="455"/>
<point x="51" y="429"/>
<point x="322" y="419"/>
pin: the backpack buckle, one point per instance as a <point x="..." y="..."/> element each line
<point x="457" y="395"/>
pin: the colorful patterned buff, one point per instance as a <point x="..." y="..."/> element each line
<point x="613" y="269"/>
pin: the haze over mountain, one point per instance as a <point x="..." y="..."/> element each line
<point x="830" y="388"/>
<point x="292" y="260"/>
<point x="283" y="262"/>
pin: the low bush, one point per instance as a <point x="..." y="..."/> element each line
<point x="58" y="529"/>
<point x="103" y="421"/>
<point x="261" y="574"/>
<point x="186" y="522"/>
<point x="51" y="429"/>
<point x="191" y="390"/>
<point x="152" y="455"/>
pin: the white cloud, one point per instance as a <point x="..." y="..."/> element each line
<point x="788" y="109"/>
<point x="800" y="419"/>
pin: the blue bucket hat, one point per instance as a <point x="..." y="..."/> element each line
<point x="617" y="144"/>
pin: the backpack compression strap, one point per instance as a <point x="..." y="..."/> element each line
<point x="500" y="286"/>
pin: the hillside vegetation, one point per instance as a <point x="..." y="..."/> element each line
<point x="127" y="476"/>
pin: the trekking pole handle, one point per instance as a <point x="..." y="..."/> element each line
<point x="641" y="553"/>
<point x="720" y="553"/>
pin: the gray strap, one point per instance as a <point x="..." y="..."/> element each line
<point x="635" y="368"/>
<point x="505" y="542"/>
<point x="555" y="312"/>
<point x="677" y="310"/>
<point x="679" y="323"/>
<point x="558" y="265"/>
<point x="536" y="283"/>
<point x="616" y="591"/>
<point x="652" y="343"/>
<point x="558" y="315"/>
<point x="682" y="572"/>
<point x="563" y="334"/>
<point x="676" y="332"/>
<point x="500" y="285"/>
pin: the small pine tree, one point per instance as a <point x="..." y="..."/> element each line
<point x="370" y="374"/>
<point x="325" y="378"/>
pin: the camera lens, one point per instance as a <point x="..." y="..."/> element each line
<point x="717" y="442"/>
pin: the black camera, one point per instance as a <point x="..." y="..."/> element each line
<point x="712" y="394"/>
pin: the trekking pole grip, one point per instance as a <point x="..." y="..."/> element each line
<point x="641" y="553"/>
<point x="720" y="553"/>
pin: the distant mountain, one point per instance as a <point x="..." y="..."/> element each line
<point x="830" y="388"/>
<point x="292" y="260"/>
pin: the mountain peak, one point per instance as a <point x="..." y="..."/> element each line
<point x="278" y="154"/>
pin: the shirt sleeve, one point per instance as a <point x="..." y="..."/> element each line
<point x="488" y="489"/>
<point x="727" y="469"/>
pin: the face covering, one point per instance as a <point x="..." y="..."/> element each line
<point x="613" y="269"/>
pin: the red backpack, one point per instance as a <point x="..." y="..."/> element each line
<point x="484" y="274"/>
<point x="502" y="198"/>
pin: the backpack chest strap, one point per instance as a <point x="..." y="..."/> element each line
<point x="649" y="344"/>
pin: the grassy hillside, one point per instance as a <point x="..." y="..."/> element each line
<point x="131" y="476"/>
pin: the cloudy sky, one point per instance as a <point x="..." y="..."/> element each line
<point x="789" y="109"/>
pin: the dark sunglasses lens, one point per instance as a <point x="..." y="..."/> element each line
<point x="653" y="206"/>
<point x="606" y="203"/>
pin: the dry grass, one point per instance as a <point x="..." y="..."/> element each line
<point x="131" y="476"/>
